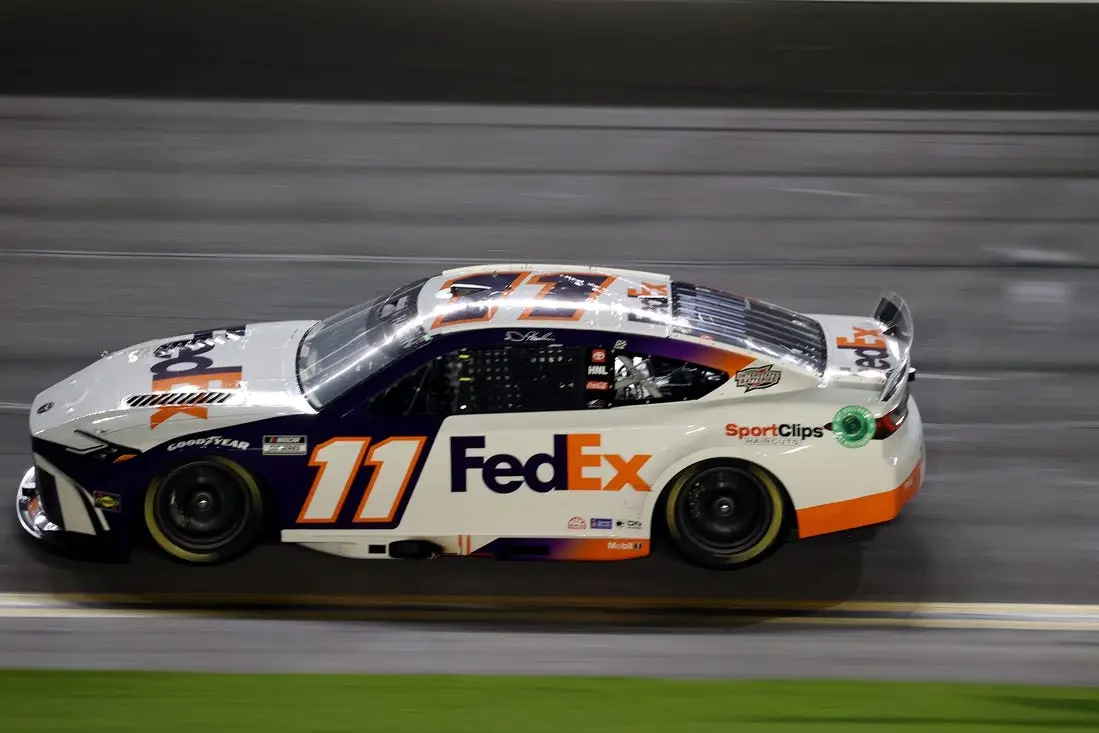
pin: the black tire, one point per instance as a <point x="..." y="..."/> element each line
<point x="725" y="515"/>
<point x="214" y="492"/>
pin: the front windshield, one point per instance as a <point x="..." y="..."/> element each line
<point x="342" y="350"/>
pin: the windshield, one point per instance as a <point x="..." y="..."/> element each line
<point x="343" y="350"/>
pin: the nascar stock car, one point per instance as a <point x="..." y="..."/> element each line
<point x="502" y="411"/>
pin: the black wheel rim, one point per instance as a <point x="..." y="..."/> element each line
<point x="725" y="511"/>
<point x="201" y="507"/>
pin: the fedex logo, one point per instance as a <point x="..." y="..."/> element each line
<point x="572" y="456"/>
<point x="869" y="346"/>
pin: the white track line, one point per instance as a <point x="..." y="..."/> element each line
<point x="1019" y="616"/>
<point x="960" y="377"/>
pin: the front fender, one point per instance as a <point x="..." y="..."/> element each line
<point x="89" y="495"/>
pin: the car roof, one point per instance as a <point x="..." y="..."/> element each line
<point x="582" y="296"/>
<point x="617" y="300"/>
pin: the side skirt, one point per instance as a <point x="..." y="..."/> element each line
<point x="367" y="545"/>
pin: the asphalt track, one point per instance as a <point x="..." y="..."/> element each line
<point x="234" y="645"/>
<point x="121" y="221"/>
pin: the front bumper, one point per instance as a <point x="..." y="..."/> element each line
<point x="36" y="502"/>
<point x="29" y="510"/>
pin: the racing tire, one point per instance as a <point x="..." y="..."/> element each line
<point x="725" y="515"/>
<point x="205" y="512"/>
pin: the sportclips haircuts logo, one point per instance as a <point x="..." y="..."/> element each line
<point x="183" y="362"/>
<point x="870" y="348"/>
<point x="573" y="457"/>
<point x="777" y="434"/>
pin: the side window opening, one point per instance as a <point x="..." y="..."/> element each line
<point x="517" y="379"/>
<point x="481" y="381"/>
<point x="644" y="379"/>
<point x="541" y="379"/>
<point x="426" y="391"/>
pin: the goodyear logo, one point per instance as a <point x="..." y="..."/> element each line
<point x="214" y="441"/>
<point x="573" y="456"/>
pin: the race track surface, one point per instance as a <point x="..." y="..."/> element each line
<point x="189" y="644"/>
<point x="121" y="221"/>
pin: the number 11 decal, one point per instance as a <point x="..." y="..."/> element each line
<point x="393" y="461"/>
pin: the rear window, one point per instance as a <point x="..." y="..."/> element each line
<point x="750" y="324"/>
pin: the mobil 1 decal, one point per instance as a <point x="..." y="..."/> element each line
<point x="189" y="361"/>
<point x="869" y="346"/>
<point x="363" y="481"/>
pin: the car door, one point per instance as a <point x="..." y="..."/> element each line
<point x="502" y="440"/>
<point x="543" y="443"/>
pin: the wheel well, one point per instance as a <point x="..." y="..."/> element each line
<point x="270" y="517"/>
<point x="659" y="524"/>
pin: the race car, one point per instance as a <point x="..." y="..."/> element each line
<point x="508" y="411"/>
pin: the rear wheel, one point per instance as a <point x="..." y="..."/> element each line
<point x="204" y="512"/>
<point x="725" y="515"/>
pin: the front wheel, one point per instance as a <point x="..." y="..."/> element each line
<point x="725" y="515"/>
<point x="205" y="512"/>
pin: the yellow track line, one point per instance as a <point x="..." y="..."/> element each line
<point x="1019" y="616"/>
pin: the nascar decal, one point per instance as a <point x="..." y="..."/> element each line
<point x="184" y="362"/>
<point x="573" y="454"/>
<point x="285" y="445"/>
<point x="869" y="346"/>
<point x="342" y="464"/>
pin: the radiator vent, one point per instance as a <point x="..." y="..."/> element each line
<point x="158" y="399"/>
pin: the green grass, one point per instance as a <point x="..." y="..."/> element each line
<point x="86" y="702"/>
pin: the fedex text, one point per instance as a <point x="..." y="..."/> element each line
<point x="573" y="458"/>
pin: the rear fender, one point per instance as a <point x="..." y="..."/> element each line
<point x="665" y="479"/>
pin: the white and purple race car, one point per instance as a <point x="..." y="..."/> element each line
<point x="551" y="412"/>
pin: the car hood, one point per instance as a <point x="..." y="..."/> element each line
<point x="160" y="389"/>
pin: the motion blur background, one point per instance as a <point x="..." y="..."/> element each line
<point x="168" y="166"/>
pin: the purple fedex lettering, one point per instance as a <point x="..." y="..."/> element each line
<point x="503" y="473"/>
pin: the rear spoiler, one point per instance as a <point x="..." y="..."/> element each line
<point x="895" y="319"/>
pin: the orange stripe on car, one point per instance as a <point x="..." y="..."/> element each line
<point x="605" y="549"/>
<point x="861" y="512"/>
